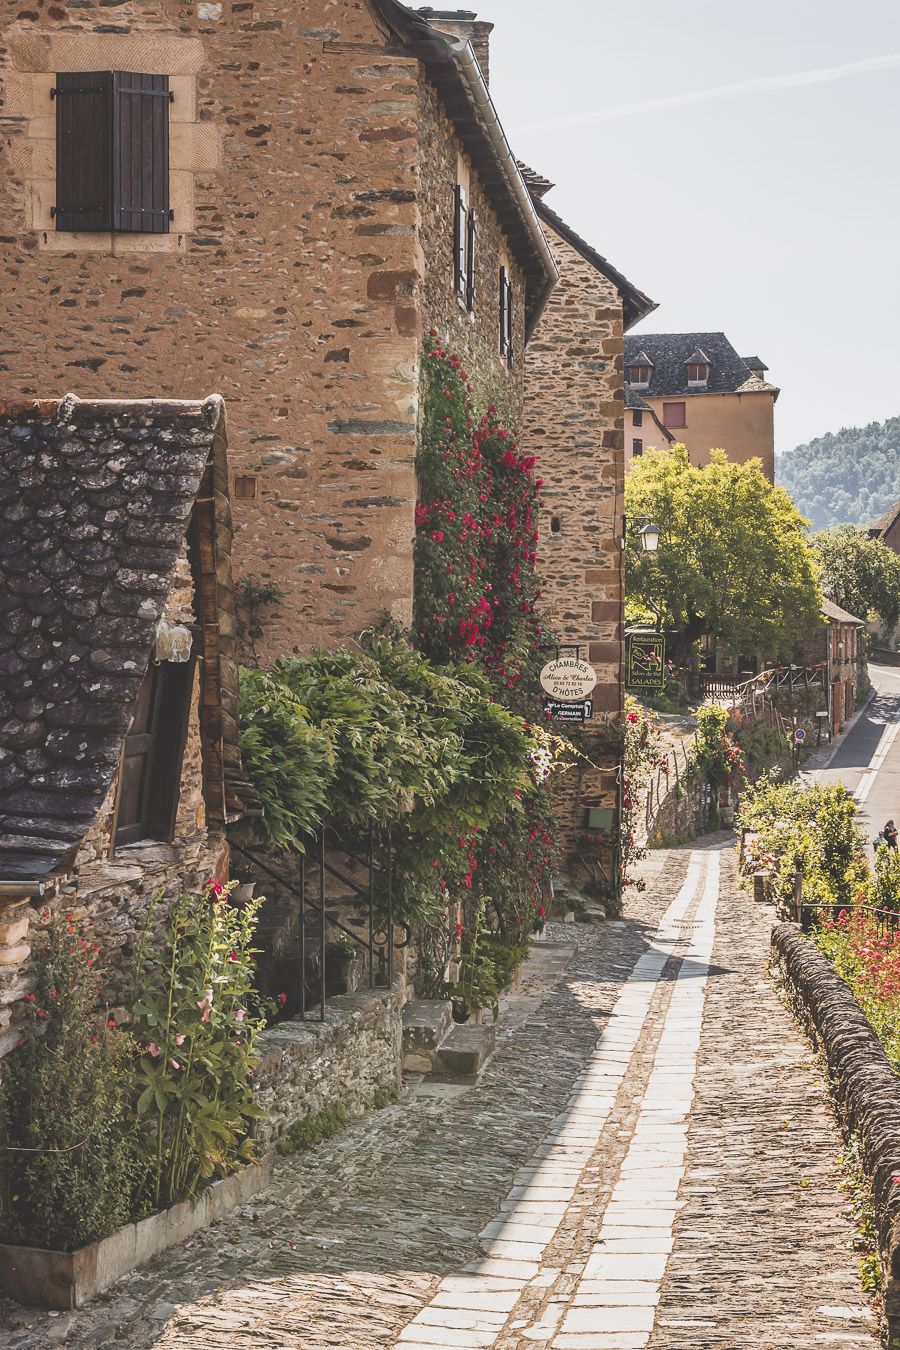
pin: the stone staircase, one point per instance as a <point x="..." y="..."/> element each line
<point x="444" y="1050"/>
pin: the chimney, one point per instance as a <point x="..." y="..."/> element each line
<point x="465" y="24"/>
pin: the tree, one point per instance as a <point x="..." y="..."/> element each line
<point x="732" y="561"/>
<point x="860" y="574"/>
<point x="848" y="476"/>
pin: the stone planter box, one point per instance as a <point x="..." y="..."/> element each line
<point x="65" y="1280"/>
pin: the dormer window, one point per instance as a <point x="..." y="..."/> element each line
<point x="698" y="370"/>
<point x="639" y="371"/>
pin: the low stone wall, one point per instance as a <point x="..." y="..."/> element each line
<point x="883" y="656"/>
<point x="683" y="814"/>
<point x="866" y="1089"/>
<point x="354" y="1054"/>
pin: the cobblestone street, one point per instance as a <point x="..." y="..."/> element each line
<point x="648" y="1161"/>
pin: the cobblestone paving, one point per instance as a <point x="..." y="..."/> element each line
<point x="373" y="1241"/>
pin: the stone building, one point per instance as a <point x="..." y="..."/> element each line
<point x="119" y="751"/>
<point x="575" y="406"/>
<point x="887" y="528"/>
<point x="314" y="187"/>
<point x="698" y="388"/>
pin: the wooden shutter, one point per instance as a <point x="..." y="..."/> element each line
<point x="506" y="345"/>
<point x="470" y="261"/>
<point x="460" y="240"/>
<point x="150" y="774"/>
<point x="140" y="153"/>
<point x="84" y="130"/>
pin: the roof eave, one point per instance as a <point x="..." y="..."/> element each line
<point x="635" y="304"/>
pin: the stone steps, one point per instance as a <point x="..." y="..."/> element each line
<point x="435" y="1045"/>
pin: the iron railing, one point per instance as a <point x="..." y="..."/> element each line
<point x="806" y="912"/>
<point x="377" y="941"/>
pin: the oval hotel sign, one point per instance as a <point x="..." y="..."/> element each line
<point x="568" y="678"/>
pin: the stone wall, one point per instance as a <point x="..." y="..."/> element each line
<point x="573" y="425"/>
<point x="475" y="337"/>
<point x="303" y="163"/>
<point x="866" y="1089"/>
<point x="351" y="1059"/>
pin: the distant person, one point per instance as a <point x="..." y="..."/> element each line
<point x="888" y="835"/>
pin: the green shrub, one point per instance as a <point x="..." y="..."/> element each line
<point x="71" y="1157"/>
<point x="196" y="1028"/>
<point x="885" y="889"/>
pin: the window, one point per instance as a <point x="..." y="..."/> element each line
<point x="464" y="249"/>
<point x="637" y="448"/>
<point x="555" y="525"/>
<point x="506" y="316"/>
<point x="150" y="775"/>
<point x="698" y="372"/>
<point x="112" y="152"/>
<point x="245" y="486"/>
<point x="639" y="375"/>
<point x="675" y="414"/>
<point x="637" y="417"/>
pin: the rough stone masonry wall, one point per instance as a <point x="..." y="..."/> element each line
<point x="865" y="1087"/>
<point x="294" y="292"/>
<point x="574" y="415"/>
<point x="108" y="896"/>
<point x="475" y="337"/>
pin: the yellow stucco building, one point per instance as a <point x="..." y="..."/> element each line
<point x="694" y="388"/>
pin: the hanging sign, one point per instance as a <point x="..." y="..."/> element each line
<point x="558" y="711"/>
<point x="567" y="678"/>
<point x="646" y="661"/>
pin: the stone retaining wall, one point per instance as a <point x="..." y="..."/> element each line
<point x="354" y="1055"/>
<point x="865" y="1087"/>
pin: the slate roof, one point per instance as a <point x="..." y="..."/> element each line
<point x="635" y="305"/>
<point x="95" y="497"/>
<point x="834" y="612"/>
<point x="671" y="352"/>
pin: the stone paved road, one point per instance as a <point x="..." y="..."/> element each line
<point x="648" y="1162"/>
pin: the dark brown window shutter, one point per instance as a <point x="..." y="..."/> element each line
<point x="460" y="241"/>
<point x="150" y="775"/>
<point x="84" y="130"/>
<point x="470" y="261"/>
<point x="506" y="316"/>
<point x="140" y="153"/>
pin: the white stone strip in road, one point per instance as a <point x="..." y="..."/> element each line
<point x="864" y="787"/>
<point x="614" y="1305"/>
<point x="470" y="1310"/>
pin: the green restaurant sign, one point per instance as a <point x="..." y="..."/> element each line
<point x="646" y="661"/>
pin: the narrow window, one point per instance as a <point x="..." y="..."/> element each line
<point x="637" y="417"/>
<point x="150" y="776"/>
<point x="460" y="242"/>
<point x="675" y="414"/>
<point x="506" y="316"/>
<point x="698" y="373"/>
<point x="112" y="152"/>
<point x="637" y="448"/>
<point x="470" y="261"/>
<point x="555" y="525"/>
<point x="639" y="375"/>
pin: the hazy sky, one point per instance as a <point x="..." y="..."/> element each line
<point x="769" y="208"/>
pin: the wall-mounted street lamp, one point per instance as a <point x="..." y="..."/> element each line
<point x="648" y="532"/>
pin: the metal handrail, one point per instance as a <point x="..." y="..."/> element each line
<point x="886" y="918"/>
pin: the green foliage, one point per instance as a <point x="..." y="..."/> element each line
<point x="807" y="829"/>
<point x="641" y="756"/>
<point x="862" y="1208"/>
<point x="70" y="1155"/>
<point x="305" y="1134"/>
<point x="763" y="747"/>
<point x="885" y="889"/>
<point x="732" y="559"/>
<point x="290" y="762"/>
<point x="715" y="754"/>
<point x="845" y="477"/>
<point x="196" y="1028"/>
<point x="487" y="965"/>
<point x="860" y="574"/>
<point x="252" y="596"/>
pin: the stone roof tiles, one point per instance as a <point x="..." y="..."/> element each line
<point x="670" y="353"/>
<point x="95" y="498"/>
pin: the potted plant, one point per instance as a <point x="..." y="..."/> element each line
<point x="340" y="956"/>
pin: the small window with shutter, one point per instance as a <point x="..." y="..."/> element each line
<point x="460" y="242"/>
<point x="112" y="152"/>
<point x="150" y="774"/>
<point x="506" y="316"/>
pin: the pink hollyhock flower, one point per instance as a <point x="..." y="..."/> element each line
<point x="239" y="1015"/>
<point x="205" y="1005"/>
<point x="180" y="1040"/>
<point x="153" y="1049"/>
<point x="174" y="1063"/>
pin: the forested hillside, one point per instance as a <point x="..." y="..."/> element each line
<point x="848" y="477"/>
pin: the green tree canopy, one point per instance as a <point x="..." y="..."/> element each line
<point x="860" y="574"/>
<point x="732" y="561"/>
<point x="847" y="477"/>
